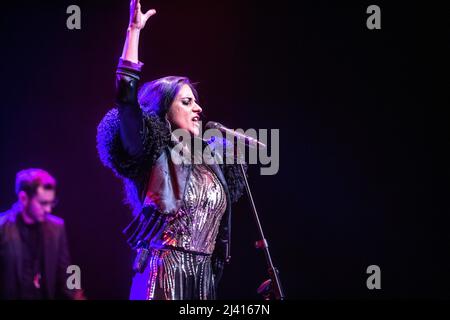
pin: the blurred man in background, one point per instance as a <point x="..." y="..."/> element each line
<point x="34" y="254"/>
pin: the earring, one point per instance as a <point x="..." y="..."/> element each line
<point x="168" y="124"/>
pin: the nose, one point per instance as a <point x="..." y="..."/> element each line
<point x="197" y="108"/>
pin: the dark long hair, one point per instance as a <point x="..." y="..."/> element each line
<point x="157" y="96"/>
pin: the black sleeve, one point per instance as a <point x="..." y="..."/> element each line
<point x="130" y="113"/>
<point x="128" y="139"/>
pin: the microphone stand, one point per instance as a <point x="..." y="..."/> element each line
<point x="270" y="289"/>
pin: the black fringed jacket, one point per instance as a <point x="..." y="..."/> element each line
<point x="136" y="145"/>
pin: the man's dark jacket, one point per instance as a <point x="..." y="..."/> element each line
<point x="55" y="255"/>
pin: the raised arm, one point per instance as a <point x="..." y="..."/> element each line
<point x="135" y="25"/>
<point x="128" y="75"/>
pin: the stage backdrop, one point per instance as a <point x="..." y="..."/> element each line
<point x="356" y="184"/>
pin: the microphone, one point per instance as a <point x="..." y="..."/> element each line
<point x="252" y="142"/>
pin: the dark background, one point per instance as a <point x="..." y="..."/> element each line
<point x="360" y="181"/>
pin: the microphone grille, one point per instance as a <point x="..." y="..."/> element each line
<point x="213" y="125"/>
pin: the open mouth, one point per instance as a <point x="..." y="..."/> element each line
<point x="196" y="119"/>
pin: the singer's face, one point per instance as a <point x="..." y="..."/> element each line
<point x="184" y="113"/>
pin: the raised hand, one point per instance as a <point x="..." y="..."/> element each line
<point x="137" y="18"/>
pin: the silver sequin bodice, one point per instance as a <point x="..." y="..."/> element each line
<point x="196" y="224"/>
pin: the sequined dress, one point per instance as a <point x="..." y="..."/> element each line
<point x="182" y="270"/>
